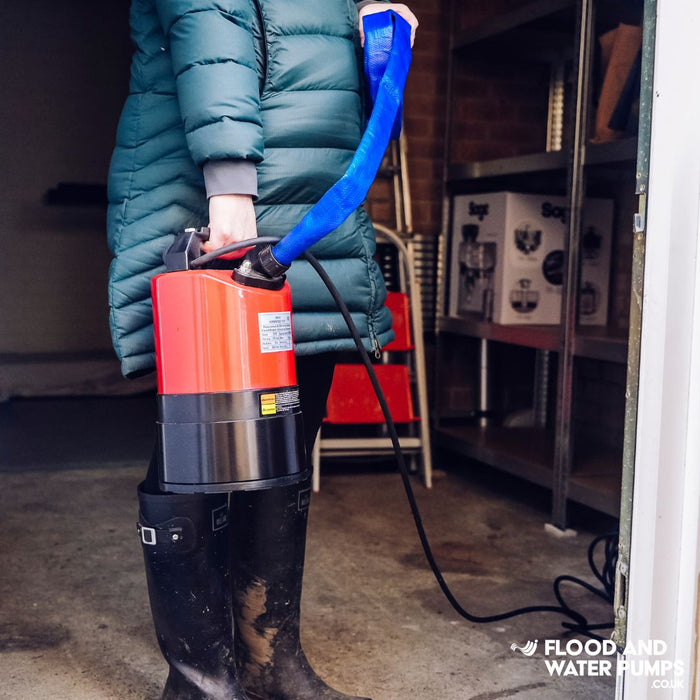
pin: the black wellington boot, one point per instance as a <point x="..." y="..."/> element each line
<point x="185" y="549"/>
<point x="268" y="539"/>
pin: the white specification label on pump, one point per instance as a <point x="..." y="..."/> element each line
<point x="275" y="331"/>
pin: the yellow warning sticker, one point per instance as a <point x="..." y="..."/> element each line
<point x="268" y="405"/>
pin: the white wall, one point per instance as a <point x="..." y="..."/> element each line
<point x="665" y="548"/>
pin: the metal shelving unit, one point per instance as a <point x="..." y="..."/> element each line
<point x="540" y="337"/>
<point x="506" y="167"/>
<point x="593" y="342"/>
<point x="522" y="452"/>
<point x="536" y="29"/>
<point x="589" y="474"/>
<point x="528" y="453"/>
<point x="622" y="151"/>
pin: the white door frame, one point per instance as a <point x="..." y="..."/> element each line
<point x="665" y="555"/>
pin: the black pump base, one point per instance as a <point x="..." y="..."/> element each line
<point x="227" y="487"/>
<point x="229" y="441"/>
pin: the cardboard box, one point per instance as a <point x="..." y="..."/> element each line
<point x="507" y="258"/>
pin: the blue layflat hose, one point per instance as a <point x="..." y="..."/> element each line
<point x="387" y="59"/>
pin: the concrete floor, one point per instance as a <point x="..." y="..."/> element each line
<point x="74" y="617"/>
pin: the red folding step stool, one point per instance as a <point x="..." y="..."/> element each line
<point x="352" y="400"/>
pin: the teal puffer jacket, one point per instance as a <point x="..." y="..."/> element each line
<point x="273" y="82"/>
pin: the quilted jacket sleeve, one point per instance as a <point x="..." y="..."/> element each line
<point x="213" y="55"/>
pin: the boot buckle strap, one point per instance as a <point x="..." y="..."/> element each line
<point x="176" y="532"/>
<point x="148" y="534"/>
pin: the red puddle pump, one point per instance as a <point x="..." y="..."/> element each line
<point x="229" y="416"/>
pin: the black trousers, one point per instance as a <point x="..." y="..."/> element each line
<point x="314" y="377"/>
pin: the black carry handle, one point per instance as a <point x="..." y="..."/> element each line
<point x="186" y="247"/>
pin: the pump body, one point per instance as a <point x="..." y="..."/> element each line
<point x="228" y="403"/>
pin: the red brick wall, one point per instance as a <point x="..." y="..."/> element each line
<point x="499" y="107"/>
<point x="498" y="111"/>
<point x="424" y="120"/>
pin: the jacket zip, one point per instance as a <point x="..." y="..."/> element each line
<point x="263" y="39"/>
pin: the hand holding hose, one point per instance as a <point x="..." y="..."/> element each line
<point x="401" y="10"/>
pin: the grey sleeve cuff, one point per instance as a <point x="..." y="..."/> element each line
<point x="231" y="176"/>
<point x="361" y="3"/>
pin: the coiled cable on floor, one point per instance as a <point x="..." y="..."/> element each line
<point x="606" y="576"/>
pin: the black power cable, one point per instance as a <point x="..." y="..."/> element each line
<point x="562" y="608"/>
<point x="203" y="260"/>
<point x="606" y="576"/>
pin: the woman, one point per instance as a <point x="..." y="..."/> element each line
<point x="240" y="115"/>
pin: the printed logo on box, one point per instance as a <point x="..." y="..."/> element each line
<point x="552" y="211"/>
<point x="478" y="210"/>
